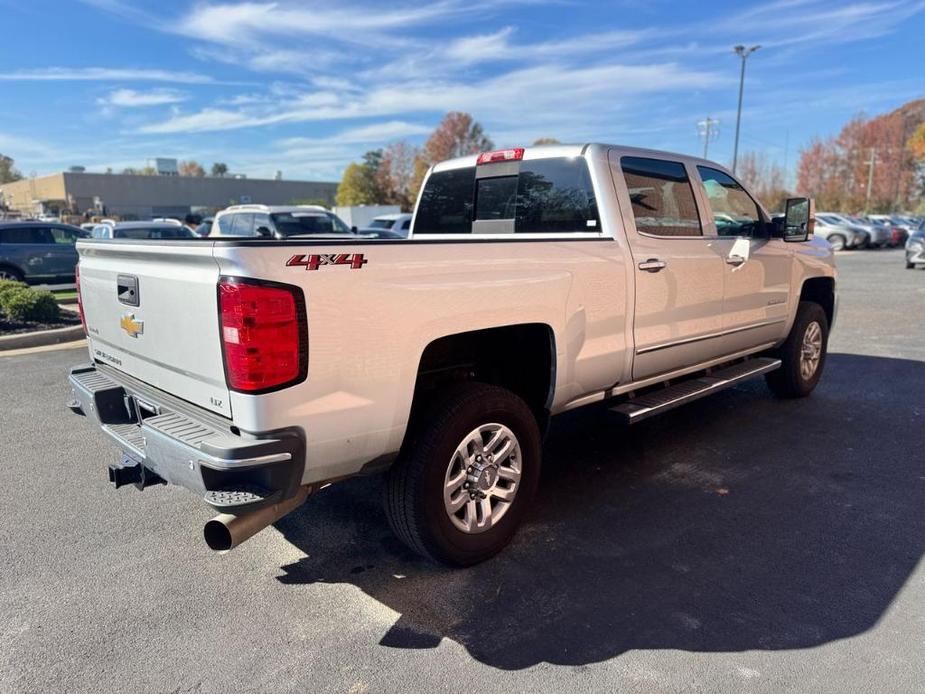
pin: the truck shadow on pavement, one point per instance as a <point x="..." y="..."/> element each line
<point x="741" y="522"/>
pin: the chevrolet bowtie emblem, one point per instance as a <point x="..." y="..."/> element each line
<point x="133" y="327"/>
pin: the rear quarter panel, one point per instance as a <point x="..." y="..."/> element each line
<point x="368" y="328"/>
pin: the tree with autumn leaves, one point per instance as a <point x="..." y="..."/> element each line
<point x="393" y="175"/>
<point x="885" y="154"/>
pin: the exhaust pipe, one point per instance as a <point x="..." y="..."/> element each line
<point x="226" y="531"/>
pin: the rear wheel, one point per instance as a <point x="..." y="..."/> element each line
<point x="802" y="355"/>
<point x="9" y="273"/>
<point x="459" y="491"/>
<point x="838" y="242"/>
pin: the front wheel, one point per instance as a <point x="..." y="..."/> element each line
<point x="8" y="273"/>
<point x="802" y="355"/>
<point x="838" y="242"/>
<point x="462" y="486"/>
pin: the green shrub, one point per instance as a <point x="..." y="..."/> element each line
<point x="24" y="304"/>
<point x="7" y="285"/>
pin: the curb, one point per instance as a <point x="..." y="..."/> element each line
<point x="42" y="337"/>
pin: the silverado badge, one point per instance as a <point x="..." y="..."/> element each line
<point x="133" y="327"/>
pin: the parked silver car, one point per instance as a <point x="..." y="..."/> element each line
<point x="839" y="233"/>
<point x="915" y="249"/>
<point x="880" y="235"/>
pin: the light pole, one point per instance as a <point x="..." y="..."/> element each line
<point x="743" y="53"/>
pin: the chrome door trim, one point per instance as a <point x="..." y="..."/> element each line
<point x="722" y="333"/>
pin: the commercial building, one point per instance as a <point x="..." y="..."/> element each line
<point x="144" y="197"/>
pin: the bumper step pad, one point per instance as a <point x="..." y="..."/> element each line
<point x="247" y="495"/>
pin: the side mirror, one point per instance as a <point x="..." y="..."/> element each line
<point x="354" y="229"/>
<point x="264" y="232"/>
<point x="799" y="219"/>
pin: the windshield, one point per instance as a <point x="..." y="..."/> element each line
<point x="171" y="232"/>
<point x="303" y="223"/>
<point x="381" y="224"/>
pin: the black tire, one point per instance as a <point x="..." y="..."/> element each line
<point x="11" y="273"/>
<point x="910" y="266"/>
<point x="414" y="500"/>
<point x="788" y="381"/>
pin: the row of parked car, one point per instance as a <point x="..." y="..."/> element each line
<point x="43" y="251"/>
<point x="873" y="231"/>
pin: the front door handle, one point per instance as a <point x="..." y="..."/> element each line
<point x="735" y="260"/>
<point x="652" y="265"/>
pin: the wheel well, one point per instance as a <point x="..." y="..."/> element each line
<point x="520" y="358"/>
<point x="820" y="290"/>
<point x="10" y="266"/>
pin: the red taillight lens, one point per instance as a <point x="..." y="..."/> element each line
<point x="501" y="155"/>
<point x="264" y="337"/>
<point x="80" y="302"/>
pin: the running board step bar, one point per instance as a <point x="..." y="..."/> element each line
<point x="683" y="392"/>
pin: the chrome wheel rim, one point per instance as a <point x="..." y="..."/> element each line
<point x="838" y="243"/>
<point x="811" y="351"/>
<point x="482" y="478"/>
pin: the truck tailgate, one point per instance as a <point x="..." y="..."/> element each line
<point x="151" y="312"/>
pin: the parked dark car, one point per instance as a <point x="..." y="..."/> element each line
<point x="38" y="252"/>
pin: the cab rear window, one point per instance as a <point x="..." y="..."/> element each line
<point x="546" y="196"/>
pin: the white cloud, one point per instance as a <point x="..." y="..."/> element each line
<point x="104" y="74"/>
<point x="559" y="90"/>
<point x="131" y="98"/>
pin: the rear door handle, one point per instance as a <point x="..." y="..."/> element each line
<point x="652" y="265"/>
<point x="735" y="260"/>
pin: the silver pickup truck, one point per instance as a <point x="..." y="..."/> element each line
<point x="254" y="372"/>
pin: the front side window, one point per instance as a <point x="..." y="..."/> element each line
<point x="381" y="224"/>
<point x="67" y="237"/>
<point x="662" y="197"/>
<point x="734" y="211"/>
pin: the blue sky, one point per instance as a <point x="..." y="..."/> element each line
<point x="306" y="87"/>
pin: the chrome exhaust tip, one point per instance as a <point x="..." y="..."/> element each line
<point x="227" y="530"/>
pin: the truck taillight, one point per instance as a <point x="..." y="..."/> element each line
<point x="264" y="334"/>
<point x="515" y="154"/>
<point x="80" y="301"/>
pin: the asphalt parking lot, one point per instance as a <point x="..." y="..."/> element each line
<point x="741" y="544"/>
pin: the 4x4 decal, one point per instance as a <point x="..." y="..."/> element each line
<point x="356" y="261"/>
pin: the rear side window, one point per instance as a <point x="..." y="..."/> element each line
<point x="30" y="235"/>
<point x="243" y="225"/>
<point x="224" y="224"/>
<point x="662" y="197"/>
<point x="546" y="196"/>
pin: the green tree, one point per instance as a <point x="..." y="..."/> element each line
<point x="355" y="188"/>
<point x="219" y="169"/>
<point x="8" y="172"/>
